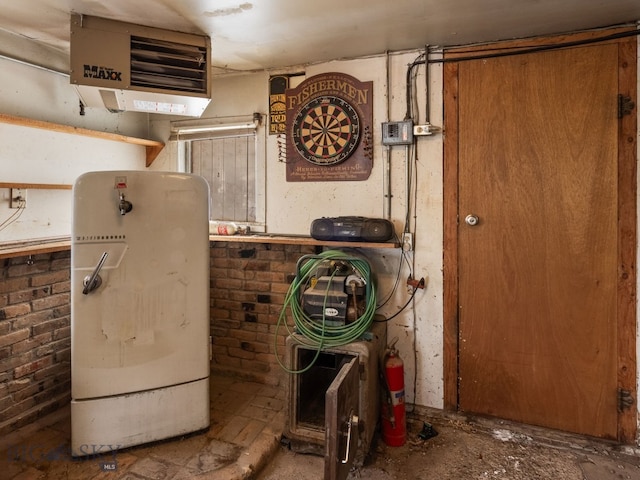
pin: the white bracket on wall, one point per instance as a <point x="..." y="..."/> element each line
<point x="18" y="198"/>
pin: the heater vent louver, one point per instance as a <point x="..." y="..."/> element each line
<point x="126" y="67"/>
<point x="169" y="66"/>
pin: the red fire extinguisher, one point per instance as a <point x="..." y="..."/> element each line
<point x="394" y="420"/>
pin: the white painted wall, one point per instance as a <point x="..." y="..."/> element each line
<point x="291" y="206"/>
<point x="32" y="155"/>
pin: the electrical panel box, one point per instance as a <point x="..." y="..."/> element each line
<point x="397" y="133"/>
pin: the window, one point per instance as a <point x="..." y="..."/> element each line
<point x="228" y="165"/>
<point x="230" y="157"/>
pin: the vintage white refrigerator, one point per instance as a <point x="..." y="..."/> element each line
<point x="140" y="344"/>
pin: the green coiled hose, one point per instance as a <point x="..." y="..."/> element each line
<point x="318" y="334"/>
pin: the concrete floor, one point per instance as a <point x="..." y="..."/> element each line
<point x="244" y="442"/>
<point x="472" y="450"/>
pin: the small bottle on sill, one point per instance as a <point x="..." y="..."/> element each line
<point x="228" y="228"/>
<point x="222" y="228"/>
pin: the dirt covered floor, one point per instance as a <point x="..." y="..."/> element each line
<point x="463" y="450"/>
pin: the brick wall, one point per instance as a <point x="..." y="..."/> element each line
<point x="35" y="342"/>
<point x="249" y="282"/>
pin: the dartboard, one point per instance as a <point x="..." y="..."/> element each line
<point x="326" y="130"/>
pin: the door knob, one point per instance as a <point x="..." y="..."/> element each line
<point x="472" y="220"/>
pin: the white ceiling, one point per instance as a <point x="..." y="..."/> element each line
<point x="272" y="34"/>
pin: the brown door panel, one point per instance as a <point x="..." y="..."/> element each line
<point x="537" y="288"/>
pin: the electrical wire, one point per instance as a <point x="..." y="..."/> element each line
<point x="423" y="58"/>
<point x="385" y="320"/>
<point x="420" y="60"/>
<point x="415" y="354"/>
<point x="540" y="48"/>
<point x="14" y="216"/>
<point x="413" y="305"/>
<point x="396" y="282"/>
<point x="427" y="90"/>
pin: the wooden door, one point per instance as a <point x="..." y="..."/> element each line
<point x="543" y="314"/>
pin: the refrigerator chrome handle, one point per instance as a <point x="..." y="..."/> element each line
<point x="93" y="281"/>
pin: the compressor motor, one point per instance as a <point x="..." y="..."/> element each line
<point x="336" y="294"/>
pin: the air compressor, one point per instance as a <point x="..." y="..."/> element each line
<point x="335" y="294"/>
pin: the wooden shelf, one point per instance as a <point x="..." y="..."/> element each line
<point x="298" y="240"/>
<point x="47" y="245"/>
<point x="34" y="247"/>
<point x="153" y="147"/>
<point x="40" y="186"/>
